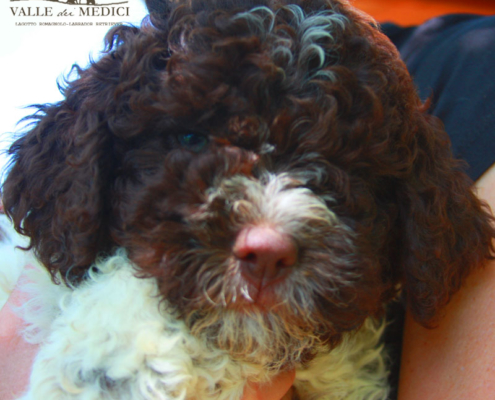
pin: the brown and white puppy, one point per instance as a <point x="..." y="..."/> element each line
<point x="234" y="189"/>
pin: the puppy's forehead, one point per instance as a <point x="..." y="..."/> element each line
<point x="238" y="72"/>
<point x="259" y="54"/>
<point x="281" y="27"/>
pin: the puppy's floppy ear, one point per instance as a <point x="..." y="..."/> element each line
<point x="57" y="189"/>
<point x="446" y="230"/>
<point x="53" y="190"/>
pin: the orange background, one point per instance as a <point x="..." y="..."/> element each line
<point x="413" y="12"/>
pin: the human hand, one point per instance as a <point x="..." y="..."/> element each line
<point x="278" y="389"/>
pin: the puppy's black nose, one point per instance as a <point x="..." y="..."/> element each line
<point x="265" y="254"/>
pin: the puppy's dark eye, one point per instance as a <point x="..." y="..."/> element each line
<point x="193" y="141"/>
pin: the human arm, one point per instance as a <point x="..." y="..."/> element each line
<point x="16" y="355"/>
<point x="456" y="359"/>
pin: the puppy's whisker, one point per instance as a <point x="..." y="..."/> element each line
<point x="245" y="293"/>
<point x="222" y="297"/>
<point x="208" y="298"/>
<point x="233" y="291"/>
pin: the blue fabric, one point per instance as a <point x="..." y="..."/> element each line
<point x="452" y="60"/>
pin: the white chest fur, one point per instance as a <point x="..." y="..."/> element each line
<point x="111" y="338"/>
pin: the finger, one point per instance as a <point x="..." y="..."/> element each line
<point x="273" y="390"/>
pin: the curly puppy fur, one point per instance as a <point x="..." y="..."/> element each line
<point x="219" y="115"/>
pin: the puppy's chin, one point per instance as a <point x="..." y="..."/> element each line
<point x="252" y="334"/>
<point x="258" y="326"/>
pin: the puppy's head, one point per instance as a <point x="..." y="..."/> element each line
<point x="263" y="160"/>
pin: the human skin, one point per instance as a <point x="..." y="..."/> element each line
<point x="277" y="389"/>
<point x="16" y="355"/>
<point x="455" y="361"/>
